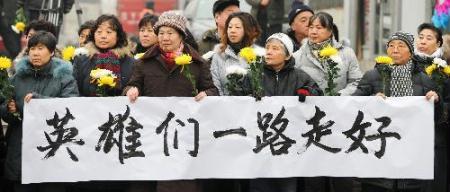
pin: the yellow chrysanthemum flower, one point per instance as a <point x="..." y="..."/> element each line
<point x="328" y="51"/>
<point x="5" y="63"/>
<point x="68" y="53"/>
<point x="429" y="70"/>
<point x="20" y="26"/>
<point x="106" y="80"/>
<point x="248" y="54"/>
<point x="384" y="60"/>
<point x="184" y="59"/>
<point x="139" y="55"/>
<point x="446" y="70"/>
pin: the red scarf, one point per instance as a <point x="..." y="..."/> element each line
<point x="169" y="57"/>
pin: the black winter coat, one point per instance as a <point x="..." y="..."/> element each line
<point x="83" y="64"/>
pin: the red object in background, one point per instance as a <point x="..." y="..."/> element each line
<point x="129" y="12"/>
<point x="164" y="5"/>
<point x="2" y="45"/>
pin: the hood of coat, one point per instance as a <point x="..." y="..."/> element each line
<point x="57" y="68"/>
<point x="121" y="52"/>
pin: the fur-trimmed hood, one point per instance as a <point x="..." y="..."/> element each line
<point x="57" y="68"/>
<point x="121" y="52"/>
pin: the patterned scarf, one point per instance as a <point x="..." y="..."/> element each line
<point x="401" y="80"/>
<point x="316" y="47"/>
<point x="169" y="57"/>
<point x="110" y="61"/>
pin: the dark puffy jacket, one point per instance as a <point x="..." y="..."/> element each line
<point x="287" y="81"/>
<point x="54" y="80"/>
<point x="83" y="64"/>
<point x="372" y="83"/>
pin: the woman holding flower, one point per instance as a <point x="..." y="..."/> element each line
<point x="39" y="75"/>
<point x="332" y="65"/>
<point x="405" y="79"/>
<point x="241" y="31"/>
<point x="108" y="51"/>
<point x="280" y="78"/>
<point x="171" y="68"/>
<point x="429" y="55"/>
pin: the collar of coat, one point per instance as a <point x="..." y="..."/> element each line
<point x="57" y="68"/>
<point x="121" y="52"/>
<point x="154" y="51"/>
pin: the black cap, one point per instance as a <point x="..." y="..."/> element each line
<point x="220" y="5"/>
<point x="297" y="8"/>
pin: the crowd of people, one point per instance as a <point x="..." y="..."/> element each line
<point x="293" y="65"/>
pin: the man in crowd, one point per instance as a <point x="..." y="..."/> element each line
<point x="221" y="10"/>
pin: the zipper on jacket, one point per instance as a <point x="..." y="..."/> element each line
<point x="276" y="83"/>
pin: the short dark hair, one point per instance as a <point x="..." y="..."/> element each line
<point x="122" y="40"/>
<point x="86" y="25"/>
<point x="148" y="19"/>
<point x="40" y="25"/>
<point x="221" y="5"/>
<point x="436" y="30"/>
<point x="43" y="37"/>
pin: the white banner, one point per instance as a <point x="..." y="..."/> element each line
<point x="170" y="138"/>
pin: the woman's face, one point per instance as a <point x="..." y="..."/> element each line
<point x="82" y="38"/>
<point x="169" y="39"/>
<point x="105" y="37"/>
<point x="427" y="42"/>
<point x="235" y="30"/>
<point x="275" y="54"/>
<point x="318" y="33"/>
<point x="39" y="55"/>
<point x="399" y="51"/>
<point x="147" y="36"/>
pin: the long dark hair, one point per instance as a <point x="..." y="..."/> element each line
<point x="116" y="26"/>
<point x="326" y="21"/>
<point x="251" y="29"/>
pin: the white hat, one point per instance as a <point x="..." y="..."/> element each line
<point x="285" y="40"/>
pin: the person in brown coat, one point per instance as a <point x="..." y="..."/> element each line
<point x="157" y="75"/>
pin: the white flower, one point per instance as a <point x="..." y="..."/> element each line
<point x="207" y="56"/>
<point x="235" y="69"/>
<point x="260" y="51"/>
<point x="439" y="62"/>
<point x="336" y="58"/>
<point x="101" y="73"/>
<point x="81" y="51"/>
<point x="14" y="28"/>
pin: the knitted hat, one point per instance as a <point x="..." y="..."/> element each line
<point x="297" y="8"/>
<point x="285" y="40"/>
<point x="220" y="5"/>
<point x="405" y="37"/>
<point x="171" y="19"/>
